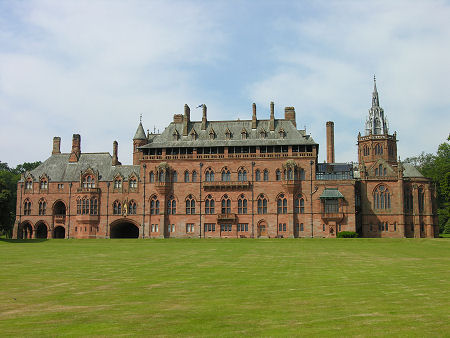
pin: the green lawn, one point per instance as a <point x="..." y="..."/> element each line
<point x="397" y="287"/>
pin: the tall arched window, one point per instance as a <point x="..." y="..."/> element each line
<point x="257" y="175"/>
<point x="194" y="176"/>
<point x="154" y="206"/>
<point x="381" y="198"/>
<point x="378" y="149"/>
<point x="27" y="207"/>
<point x="282" y="204"/>
<point x="78" y="206"/>
<point x="408" y="200"/>
<point x="421" y="199"/>
<point x="132" y="207"/>
<point x="186" y="176"/>
<point x="29" y="184"/>
<point x="42" y="207"/>
<point x="117" y="208"/>
<point x="209" y="205"/>
<point x="190" y="205"/>
<point x="93" y="206"/>
<point x="242" y="175"/>
<point x="226" y="205"/>
<point x="278" y="175"/>
<point x="118" y="183"/>
<point x="262" y="204"/>
<point x="266" y="175"/>
<point x="209" y="175"/>
<point x="152" y="177"/>
<point x="290" y="175"/>
<point x="132" y="183"/>
<point x="43" y="184"/>
<point x="161" y="177"/>
<point x="171" y="206"/>
<point x="299" y="205"/>
<point x="88" y="181"/>
<point x="242" y="205"/>
<point x="174" y="176"/>
<point x="226" y="175"/>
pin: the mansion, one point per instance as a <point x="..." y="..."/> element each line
<point x="234" y="179"/>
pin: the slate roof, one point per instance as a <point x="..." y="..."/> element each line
<point x="331" y="193"/>
<point x="58" y="168"/>
<point x="410" y="170"/>
<point x="220" y="128"/>
<point x="140" y="133"/>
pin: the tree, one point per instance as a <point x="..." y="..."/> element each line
<point x="8" y="193"/>
<point x="437" y="167"/>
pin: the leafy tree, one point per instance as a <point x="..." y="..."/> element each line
<point x="437" y="167"/>
<point x="8" y="193"/>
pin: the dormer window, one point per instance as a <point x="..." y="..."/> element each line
<point x="244" y="134"/>
<point x="43" y="184"/>
<point x="282" y="133"/>
<point x="194" y="134"/>
<point x="133" y="183"/>
<point x="118" y="183"/>
<point x="212" y="134"/>
<point x="176" y="135"/>
<point x="88" y="181"/>
<point x="262" y="133"/>
<point x="228" y="134"/>
<point x="29" y="184"/>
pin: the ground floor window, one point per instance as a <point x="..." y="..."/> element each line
<point x="189" y="227"/>
<point x="242" y="227"/>
<point x="301" y="227"/>
<point x="339" y="227"/>
<point x="226" y="227"/>
<point x="171" y="228"/>
<point x="210" y="227"/>
<point x="155" y="228"/>
<point x="282" y="227"/>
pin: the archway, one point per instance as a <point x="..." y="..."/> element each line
<point x="262" y="229"/>
<point x="41" y="230"/>
<point x="59" y="208"/>
<point x="124" y="229"/>
<point x="59" y="232"/>
<point x="25" y="231"/>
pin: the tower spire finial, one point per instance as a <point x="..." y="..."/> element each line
<point x="140" y="118"/>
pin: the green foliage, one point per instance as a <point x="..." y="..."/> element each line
<point x="437" y="167"/>
<point x="8" y="193"/>
<point x="347" y="234"/>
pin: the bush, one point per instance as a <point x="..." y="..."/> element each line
<point x="347" y="234"/>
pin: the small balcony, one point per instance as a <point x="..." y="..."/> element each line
<point x="163" y="187"/>
<point x="226" y="218"/>
<point x="226" y="185"/>
<point x="332" y="216"/>
<point x="88" y="218"/>
<point x="291" y="185"/>
<point x="59" y="219"/>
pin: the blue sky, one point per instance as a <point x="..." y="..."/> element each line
<point x="92" y="67"/>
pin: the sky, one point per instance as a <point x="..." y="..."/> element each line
<point x="93" y="67"/>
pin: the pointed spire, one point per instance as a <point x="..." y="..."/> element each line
<point x="375" y="100"/>
<point x="140" y="133"/>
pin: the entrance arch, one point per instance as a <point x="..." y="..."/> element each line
<point x="59" y="232"/>
<point x="262" y="229"/>
<point x="25" y="231"/>
<point x="124" y="229"/>
<point x="41" y="230"/>
<point x="59" y="208"/>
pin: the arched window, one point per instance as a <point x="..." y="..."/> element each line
<point x="154" y="206"/>
<point x="190" y="205"/>
<point x="266" y="175"/>
<point x="43" y="184"/>
<point x="408" y="200"/>
<point x="171" y="206"/>
<point x="299" y="205"/>
<point x="380" y="170"/>
<point x="27" y="207"/>
<point x="88" y="182"/>
<point x="381" y="198"/>
<point x="281" y="204"/>
<point x="174" y="176"/>
<point x="366" y="151"/>
<point x="226" y="175"/>
<point x="302" y="174"/>
<point x="257" y="175"/>
<point x="209" y="175"/>
<point x="290" y="173"/>
<point x="242" y="205"/>
<point x="262" y="204"/>
<point x="132" y="208"/>
<point x="117" y="208"/>
<point x="29" y="184"/>
<point x="194" y="176"/>
<point x="226" y="205"/>
<point x="378" y="149"/>
<point x="118" y="183"/>
<point x="421" y="199"/>
<point x="132" y="183"/>
<point x="186" y="176"/>
<point x="161" y="176"/>
<point x="242" y="175"/>
<point x="209" y="205"/>
<point x="278" y="175"/>
<point x="42" y="207"/>
<point x="93" y="206"/>
<point x="78" y="206"/>
<point x="152" y="177"/>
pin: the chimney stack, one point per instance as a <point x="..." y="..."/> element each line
<point x="56" y="145"/>
<point x="204" y="117"/>
<point x="254" y="116"/>
<point x="289" y="114"/>
<point x="186" y="119"/>
<point x="330" y="142"/>
<point x="76" y="148"/>
<point x="272" y="117"/>
<point x="115" y="158"/>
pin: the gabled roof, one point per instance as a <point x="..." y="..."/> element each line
<point x="292" y="135"/>
<point x="410" y="170"/>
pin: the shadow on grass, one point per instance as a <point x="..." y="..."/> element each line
<point x="30" y="241"/>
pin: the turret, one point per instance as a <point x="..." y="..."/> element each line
<point x="139" y="140"/>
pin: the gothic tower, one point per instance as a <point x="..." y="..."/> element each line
<point x="139" y="139"/>
<point x="376" y="143"/>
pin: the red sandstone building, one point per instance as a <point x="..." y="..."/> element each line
<point x="244" y="178"/>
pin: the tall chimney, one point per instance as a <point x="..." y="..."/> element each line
<point x="289" y="114"/>
<point x="115" y="158"/>
<point x="204" y="117"/>
<point x="330" y="142"/>
<point x="186" y="119"/>
<point x="76" y="148"/>
<point x="56" y="145"/>
<point x="254" y="116"/>
<point x="272" y="117"/>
